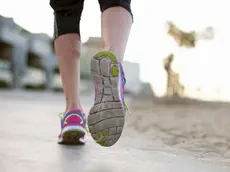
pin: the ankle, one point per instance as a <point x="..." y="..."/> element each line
<point x="73" y="106"/>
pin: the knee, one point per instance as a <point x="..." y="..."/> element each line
<point x="105" y="4"/>
<point x="68" y="46"/>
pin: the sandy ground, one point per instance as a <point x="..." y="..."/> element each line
<point x="198" y="128"/>
<point x="173" y="129"/>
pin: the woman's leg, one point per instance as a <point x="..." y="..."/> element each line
<point x="67" y="47"/>
<point x="107" y="116"/>
<point x="116" y="26"/>
<point x="68" y="55"/>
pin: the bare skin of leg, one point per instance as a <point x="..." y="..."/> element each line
<point x="116" y="24"/>
<point x="67" y="49"/>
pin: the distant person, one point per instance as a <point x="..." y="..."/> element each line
<point x="106" y="117"/>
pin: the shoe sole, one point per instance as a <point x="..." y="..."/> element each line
<point x="73" y="135"/>
<point x="106" y="118"/>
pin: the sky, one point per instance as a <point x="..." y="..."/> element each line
<point x="205" y="67"/>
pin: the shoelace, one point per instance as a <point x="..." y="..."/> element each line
<point x="85" y="127"/>
<point x="127" y="108"/>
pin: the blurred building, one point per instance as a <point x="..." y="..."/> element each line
<point x="37" y="63"/>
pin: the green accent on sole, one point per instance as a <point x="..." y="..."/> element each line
<point x="72" y="137"/>
<point x="105" y="133"/>
<point x="100" y="138"/>
<point x="115" y="71"/>
<point x="108" y="54"/>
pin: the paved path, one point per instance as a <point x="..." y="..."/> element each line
<point x="29" y="127"/>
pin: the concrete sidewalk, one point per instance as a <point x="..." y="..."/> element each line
<point x="29" y="127"/>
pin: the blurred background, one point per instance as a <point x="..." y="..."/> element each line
<point x="202" y="67"/>
<point x="176" y="64"/>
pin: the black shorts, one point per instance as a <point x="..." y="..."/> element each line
<point x="67" y="13"/>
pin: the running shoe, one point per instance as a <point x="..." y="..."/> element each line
<point x="73" y="127"/>
<point x="107" y="116"/>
